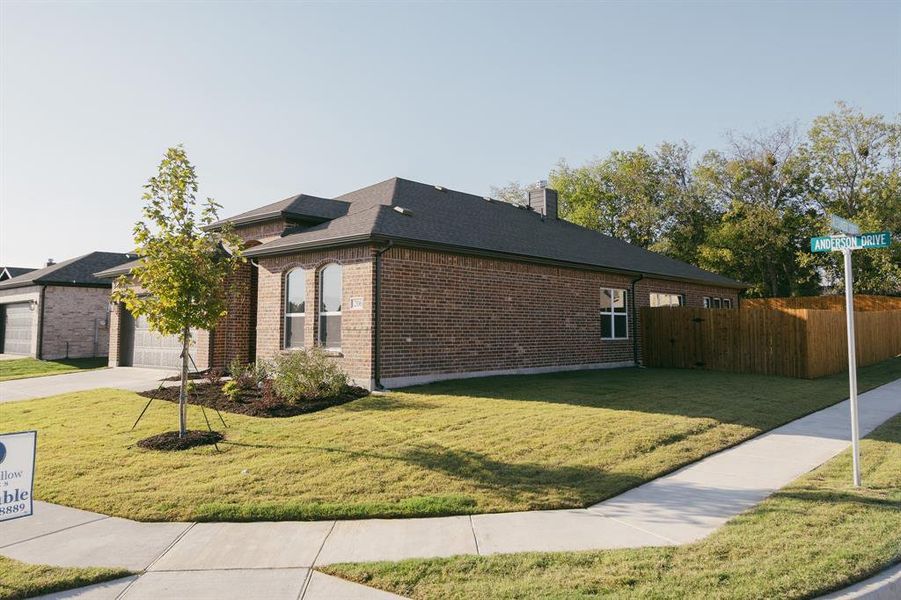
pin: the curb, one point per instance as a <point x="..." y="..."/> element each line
<point x="885" y="585"/>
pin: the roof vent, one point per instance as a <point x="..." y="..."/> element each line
<point x="403" y="211"/>
<point x="439" y="188"/>
<point x="50" y="262"/>
<point x="488" y="199"/>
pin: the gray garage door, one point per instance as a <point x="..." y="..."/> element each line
<point x="147" y="348"/>
<point x="18" y="332"/>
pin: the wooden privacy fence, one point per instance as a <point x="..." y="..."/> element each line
<point x="862" y="302"/>
<point x="804" y="343"/>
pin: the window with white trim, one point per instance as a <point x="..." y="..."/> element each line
<point x="330" y="293"/>
<point x="660" y="299"/>
<point x="614" y="314"/>
<point x="295" y="307"/>
<point x="717" y="302"/>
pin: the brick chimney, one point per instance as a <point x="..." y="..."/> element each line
<point x="543" y="200"/>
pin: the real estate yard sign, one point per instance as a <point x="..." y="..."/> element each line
<point x="851" y="239"/>
<point x="17" y="451"/>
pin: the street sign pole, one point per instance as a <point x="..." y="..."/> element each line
<point x="852" y="364"/>
<point x="851" y="240"/>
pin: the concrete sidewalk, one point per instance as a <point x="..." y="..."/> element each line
<point x="245" y="560"/>
<point x="135" y="379"/>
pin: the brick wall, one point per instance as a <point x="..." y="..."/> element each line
<point x="235" y="335"/>
<point x="75" y="322"/>
<point x="356" y="323"/>
<point x="446" y="313"/>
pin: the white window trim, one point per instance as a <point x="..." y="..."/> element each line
<point x="293" y="314"/>
<point x="611" y="313"/>
<point x="329" y="313"/>
<point x="680" y="298"/>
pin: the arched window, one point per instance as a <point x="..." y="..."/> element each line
<point x="295" y="307"/>
<point x="330" y="291"/>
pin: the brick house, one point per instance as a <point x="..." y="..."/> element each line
<point x="60" y="310"/>
<point x="405" y="283"/>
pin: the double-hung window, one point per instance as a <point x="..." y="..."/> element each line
<point x="614" y="314"/>
<point x="330" y="292"/>
<point x="295" y="307"/>
<point x="658" y="299"/>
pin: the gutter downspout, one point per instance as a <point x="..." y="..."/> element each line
<point x="635" y="323"/>
<point x="376" y="309"/>
<point x="40" y="348"/>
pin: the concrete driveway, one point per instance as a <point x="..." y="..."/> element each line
<point x="125" y="378"/>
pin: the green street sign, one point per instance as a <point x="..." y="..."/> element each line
<point x="833" y="243"/>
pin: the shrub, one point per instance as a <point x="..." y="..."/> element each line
<point x="305" y="375"/>
<point x="249" y="375"/>
<point x="214" y="376"/>
<point x="236" y="367"/>
<point x="232" y="390"/>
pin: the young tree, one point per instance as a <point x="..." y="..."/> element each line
<point x="180" y="283"/>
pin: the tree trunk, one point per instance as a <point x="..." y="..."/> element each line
<point x="183" y="393"/>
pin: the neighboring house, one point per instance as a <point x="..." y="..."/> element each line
<point x="406" y="283"/>
<point x="10" y="272"/>
<point x="59" y="311"/>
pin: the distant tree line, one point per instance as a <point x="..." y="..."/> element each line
<point x="748" y="211"/>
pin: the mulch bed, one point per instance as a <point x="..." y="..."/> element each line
<point x="251" y="402"/>
<point x="170" y="441"/>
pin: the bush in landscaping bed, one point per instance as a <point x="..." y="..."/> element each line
<point x="305" y="375"/>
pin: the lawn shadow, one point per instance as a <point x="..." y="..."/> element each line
<point x="385" y="402"/>
<point x="758" y="401"/>
<point x="839" y="497"/>
<point x="511" y="481"/>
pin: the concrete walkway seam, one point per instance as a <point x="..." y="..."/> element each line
<point x="306" y="583"/>
<point x="54" y="532"/>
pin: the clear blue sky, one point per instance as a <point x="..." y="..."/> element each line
<point x="272" y="99"/>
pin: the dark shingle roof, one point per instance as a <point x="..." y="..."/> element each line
<point x="120" y="269"/>
<point x="299" y="207"/>
<point x="75" y="271"/>
<point x="10" y="272"/>
<point x="457" y="220"/>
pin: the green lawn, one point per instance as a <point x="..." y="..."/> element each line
<point x="814" y="536"/>
<point x="21" y="580"/>
<point x="20" y="368"/>
<point x="468" y="446"/>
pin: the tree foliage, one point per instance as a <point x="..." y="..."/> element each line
<point x="180" y="283"/>
<point x="748" y="210"/>
<point x="514" y="193"/>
